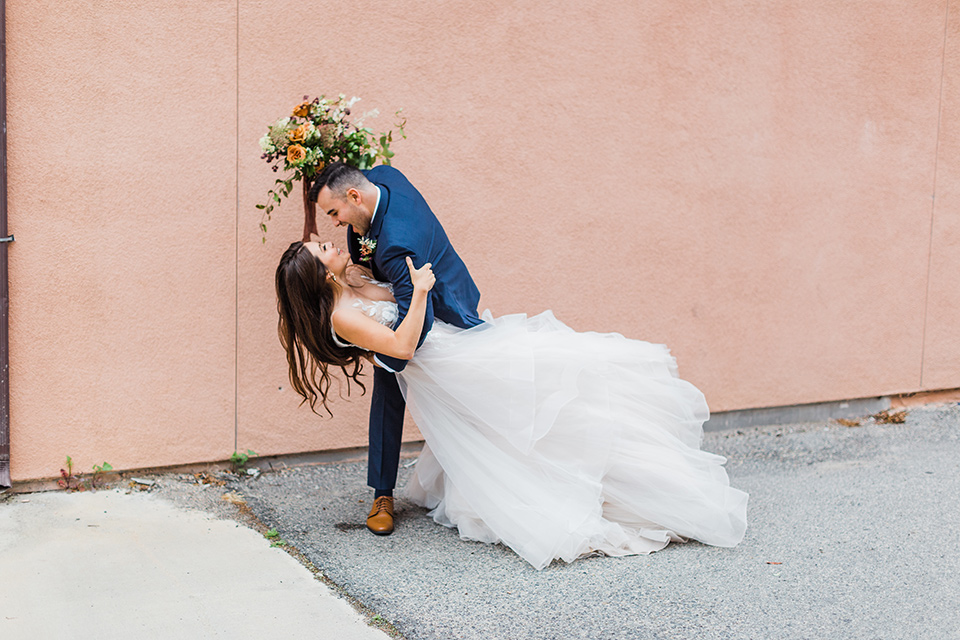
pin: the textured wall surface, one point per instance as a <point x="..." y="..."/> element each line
<point x="752" y="184"/>
<point x="122" y="168"/>
<point x="941" y="354"/>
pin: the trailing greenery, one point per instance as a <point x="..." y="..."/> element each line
<point x="316" y="133"/>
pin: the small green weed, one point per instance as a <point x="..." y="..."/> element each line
<point x="240" y="460"/>
<point x="98" y="471"/>
<point x="70" y="482"/>
<point x="67" y="480"/>
<point x="274" y="537"/>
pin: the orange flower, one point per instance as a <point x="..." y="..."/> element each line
<point x="299" y="134"/>
<point x="296" y="154"/>
<point x="302" y="110"/>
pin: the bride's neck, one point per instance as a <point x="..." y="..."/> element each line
<point x="342" y="287"/>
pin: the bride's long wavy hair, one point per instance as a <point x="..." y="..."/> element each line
<point x="305" y="301"/>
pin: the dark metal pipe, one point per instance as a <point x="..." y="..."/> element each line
<point x="4" y="283"/>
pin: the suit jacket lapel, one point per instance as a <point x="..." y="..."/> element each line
<point x="376" y="226"/>
<point x="381" y="212"/>
<point x="353" y="245"/>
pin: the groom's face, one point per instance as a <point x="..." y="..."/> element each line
<point x="347" y="211"/>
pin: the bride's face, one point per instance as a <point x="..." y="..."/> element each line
<point x="334" y="259"/>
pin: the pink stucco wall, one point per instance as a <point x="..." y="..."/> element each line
<point x="941" y="353"/>
<point x="771" y="189"/>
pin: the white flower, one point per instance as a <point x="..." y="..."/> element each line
<point x="267" y="144"/>
<point x="314" y="155"/>
<point x="369" y="114"/>
<point x="278" y="133"/>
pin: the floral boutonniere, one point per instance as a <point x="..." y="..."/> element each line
<point x="367" y="247"/>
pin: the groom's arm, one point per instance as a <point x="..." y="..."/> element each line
<point x="393" y="265"/>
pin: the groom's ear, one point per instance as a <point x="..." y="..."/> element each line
<point x="353" y="195"/>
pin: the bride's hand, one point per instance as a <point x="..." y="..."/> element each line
<point x="422" y="278"/>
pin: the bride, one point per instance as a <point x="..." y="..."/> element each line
<point x="553" y="442"/>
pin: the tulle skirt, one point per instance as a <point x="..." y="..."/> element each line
<point x="558" y="443"/>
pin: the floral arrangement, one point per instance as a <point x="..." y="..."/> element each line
<point x="316" y="133"/>
<point x="367" y="247"/>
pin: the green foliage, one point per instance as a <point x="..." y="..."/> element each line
<point x="317" y="133"/>
<point x="70" y="482"/>
<point x="240" y="460"/>
<point x="274" y="537"/>
<point x="98" y="471"/>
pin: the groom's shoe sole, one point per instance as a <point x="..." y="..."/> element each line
<point x="380" y="520"/>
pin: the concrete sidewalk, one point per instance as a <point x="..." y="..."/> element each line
<point x="108" y="564"/>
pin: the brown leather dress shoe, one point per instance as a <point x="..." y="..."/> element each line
<point x="380" y="520"/>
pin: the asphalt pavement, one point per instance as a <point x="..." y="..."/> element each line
<point x="853" y="533"/>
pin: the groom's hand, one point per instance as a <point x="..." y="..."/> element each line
<point x="422" y="278"/>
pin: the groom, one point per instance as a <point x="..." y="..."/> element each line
<point x="389" y="220"/>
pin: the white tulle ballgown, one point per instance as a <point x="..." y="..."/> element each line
<point x="558" y="443"/>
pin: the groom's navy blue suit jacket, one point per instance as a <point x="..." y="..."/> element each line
<point x="405" y="226"/>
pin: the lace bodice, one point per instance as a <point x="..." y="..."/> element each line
<point x="383" y="311"/>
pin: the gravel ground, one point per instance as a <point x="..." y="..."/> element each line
<point x="853" y="533"/>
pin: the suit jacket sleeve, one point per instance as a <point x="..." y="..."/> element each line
<point x="394" y="265"/>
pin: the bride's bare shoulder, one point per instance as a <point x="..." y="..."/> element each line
<point x="342" y="306"/>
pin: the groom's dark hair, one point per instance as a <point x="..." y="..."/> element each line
<point x="338" y="177"/>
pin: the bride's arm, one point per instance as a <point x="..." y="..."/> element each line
<point x="360" y="329"/>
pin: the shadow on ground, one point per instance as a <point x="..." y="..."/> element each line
<point x="853" y="531"/>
